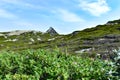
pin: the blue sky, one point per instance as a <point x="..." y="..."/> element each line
<point x="65" y="16"/>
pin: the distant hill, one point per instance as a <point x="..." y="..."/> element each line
<point x="51" y="31"/>
<point x="102" y="40"/>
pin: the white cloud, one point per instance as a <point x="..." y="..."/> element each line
<point x="95" y="8"/>
<point x="28" y="25"/>
<point x="6" y="14"/>
<point x="21" y="3"/>
<point x="24" y="24"/>
<point x="68" y="16"/>
<point x="11" y="1"/>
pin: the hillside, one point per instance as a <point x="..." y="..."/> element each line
<point x="102" y="39"/>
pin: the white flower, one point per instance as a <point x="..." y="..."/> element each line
<point x="110" y="72"/>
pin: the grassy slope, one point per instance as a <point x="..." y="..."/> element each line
<point x="71" y="41"/>
<point x="76" y="39"/>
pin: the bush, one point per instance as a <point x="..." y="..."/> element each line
<point x="116" y="64"/>
<point x="52" y="65"/>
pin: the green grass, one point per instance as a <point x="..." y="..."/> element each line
<point x="71" y="41"/>
<point x="51" y="65"/>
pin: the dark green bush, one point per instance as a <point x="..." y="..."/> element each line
<point x="52" y="65"/>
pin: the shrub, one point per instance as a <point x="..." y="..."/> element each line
<point x="52" y="65"/>
<point x="116" y="64"/>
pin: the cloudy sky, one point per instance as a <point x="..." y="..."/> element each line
<point x="65" y="16"/>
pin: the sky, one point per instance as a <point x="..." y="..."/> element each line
<point x="65" y="16"/>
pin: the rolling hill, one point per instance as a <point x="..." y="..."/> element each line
<point x="100" y="40"/>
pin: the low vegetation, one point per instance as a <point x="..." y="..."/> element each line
<point x="52" y="65"/>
